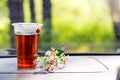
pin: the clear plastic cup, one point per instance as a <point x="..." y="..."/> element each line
<point x="27" y="40"/>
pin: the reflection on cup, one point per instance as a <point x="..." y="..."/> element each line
<point x="27" y="38"/>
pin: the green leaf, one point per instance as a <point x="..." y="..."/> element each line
<point x="45" y="61"/>
<point x="59" y="52"/>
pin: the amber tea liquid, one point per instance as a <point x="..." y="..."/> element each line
<point x="27" y="49"/>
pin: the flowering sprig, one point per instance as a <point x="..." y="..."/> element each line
<point x="53" y="59"/>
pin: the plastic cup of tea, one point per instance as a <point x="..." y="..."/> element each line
<point x="27" y="40"/>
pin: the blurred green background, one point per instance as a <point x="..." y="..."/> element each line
<point x="77" y="25"/>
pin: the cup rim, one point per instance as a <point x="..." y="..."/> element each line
<point x="27" y="24"/>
